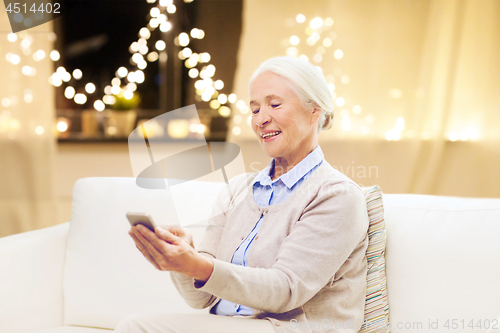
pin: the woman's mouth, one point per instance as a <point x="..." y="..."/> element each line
<point x="270" y="136"/>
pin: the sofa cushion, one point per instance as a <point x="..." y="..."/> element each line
<point x="442" y="262"/>
<point x="376" y="305"/>
<point x="106" y="278"/>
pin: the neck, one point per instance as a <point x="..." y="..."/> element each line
<point x="282" y="165"/>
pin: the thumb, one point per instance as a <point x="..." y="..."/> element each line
<point x="166" y="235"/>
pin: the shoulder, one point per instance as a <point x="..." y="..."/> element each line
<point x="329" y="181"/>
<point x="331" y="193"/>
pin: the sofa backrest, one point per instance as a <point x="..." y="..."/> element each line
<point x="442" y="257"/>
<point x="442" y="263"/>
<point x="106" y="278"/>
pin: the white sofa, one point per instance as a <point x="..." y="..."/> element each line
<point x="442" y="259"/>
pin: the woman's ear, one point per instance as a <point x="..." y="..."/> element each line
<point x="316" y="113"/>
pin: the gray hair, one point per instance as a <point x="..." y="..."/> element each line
<point x="307" y="81"/>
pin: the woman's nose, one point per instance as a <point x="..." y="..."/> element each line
<point x="263" y="119"/>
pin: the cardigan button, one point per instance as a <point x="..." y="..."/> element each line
<point x="277" y="323"/>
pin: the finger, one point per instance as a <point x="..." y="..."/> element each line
<point x="167" y="235"/>
<point x="157" y="248"/>
<point x="176" y="230"/>
<point x="140" y="237"/>
<point x="145" y="251"/>
<point x="144" y="231"/>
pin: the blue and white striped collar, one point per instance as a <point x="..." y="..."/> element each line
<point x="295" y="174"/>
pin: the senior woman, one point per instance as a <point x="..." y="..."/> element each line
<point x="290" y="256"/>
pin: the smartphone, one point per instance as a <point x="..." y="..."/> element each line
<point x="141" y="218"/>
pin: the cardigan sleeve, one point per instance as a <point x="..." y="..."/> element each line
<point x="330" y="228"/>
<point x="194" y="297"/>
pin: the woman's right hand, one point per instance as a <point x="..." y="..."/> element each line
<point x="171" y="248"/>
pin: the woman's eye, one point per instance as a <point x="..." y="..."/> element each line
<point x="255" y="111"/>
<point x="275" y="105"/>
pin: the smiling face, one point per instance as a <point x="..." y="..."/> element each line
<point x="286" y="131"/>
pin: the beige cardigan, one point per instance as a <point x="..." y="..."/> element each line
<point x="307" y="265"/>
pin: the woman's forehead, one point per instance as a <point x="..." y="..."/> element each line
<point x="269" y="85"/>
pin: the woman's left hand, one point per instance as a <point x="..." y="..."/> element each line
<point x="168" y="252"/>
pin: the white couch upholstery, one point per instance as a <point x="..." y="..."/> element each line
<point x="442" y="258"/>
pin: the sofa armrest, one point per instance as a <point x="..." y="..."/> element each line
<point x="31" y="277"/>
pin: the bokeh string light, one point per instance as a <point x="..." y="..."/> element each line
<point x="316" y="45"/>
<point x="200" y="69"/>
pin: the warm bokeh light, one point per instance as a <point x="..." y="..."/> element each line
<point x="219" y="84"/>
<point x="160" y="45"/>
<point x="90" y="88"/>
<point x="178" y="128"/>
<point x="186" y="52"/>
<point x="99" y="105"/>
<point x="115" y="90"/>
<point x="109" y="99"/>
<point x="137" y="58"/>
<point x="193" y="73"/>
<point x="62" y="125"/>
<point x="14" y="59"/>
<point x="222" y="98"/>
<point x="66" y="77"/>
<point x="144" y="33"/>
<point x="131" y="87"/>
<point x="232" y="98"/>
<point x="39" y="55"/>
<point x="143" y="49"/>
<point x="39" y="130"/>
<point x="139" y="76"/>
<point x="340" y="101"/>
<point x="214" y="104"/>
<point x="346" y="123"/>
<point x="153" y="56"/>
<point x="300" y="18"/>
<point x="338" y="54"/>
<point x="12" y="37"/>
<point x="128" y="94"/>
<point x="400" y="124"/>
<point x="316" y="23"/>
<point x="183" y="39"/>
<point x="165" y="26"/>
<point x="122" y="72"/>
<point x="142" y="65"/>
<point x="77" y="74"/>
<point x="236" y="130"/>
<point x="28" y="98"/>
<point x="69" y="92"/>
<point x="195" y="32"/>
<point x="134" y="47"/>
<point x="224" y="111"/>
<point x="294" y="40"/>
<point x="55" y="80"/>
<point x="54" y="55"/>
<point x="154" y="12"/>
<point x="80" y="99"/>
